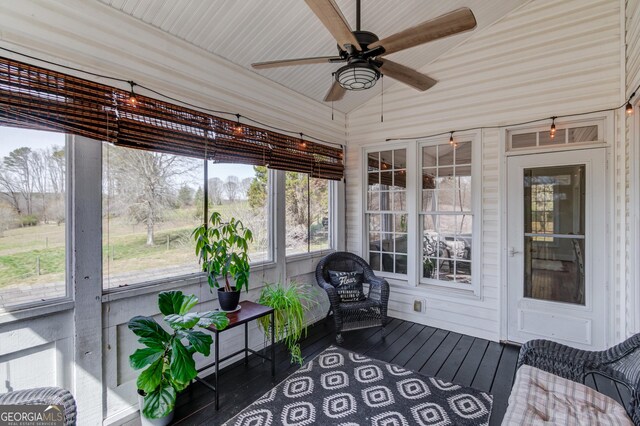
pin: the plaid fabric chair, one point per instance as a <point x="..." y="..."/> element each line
<point x="371" y="312"/>
<point x="48" y="396"/>
<point x="620" y="363"/>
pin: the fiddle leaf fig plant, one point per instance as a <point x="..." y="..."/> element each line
<point x="222" y="249"/>
<point x="168" y="357"/>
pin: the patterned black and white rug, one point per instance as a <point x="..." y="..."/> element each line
<point x="343" y="388"/>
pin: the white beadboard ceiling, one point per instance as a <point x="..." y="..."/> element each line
<point x="250" y="31"/>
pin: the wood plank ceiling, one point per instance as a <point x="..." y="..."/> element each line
<point x="258" y="30"/>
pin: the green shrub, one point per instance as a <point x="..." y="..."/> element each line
<point x="28" y="220"/>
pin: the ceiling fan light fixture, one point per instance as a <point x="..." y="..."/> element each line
<point x="358" y="75"/>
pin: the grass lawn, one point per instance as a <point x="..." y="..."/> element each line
<point x="36" y="254"/>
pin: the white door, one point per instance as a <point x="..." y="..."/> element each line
<point x="557" y="251"/>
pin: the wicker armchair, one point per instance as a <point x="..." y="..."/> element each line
<point x="49" y="396"/>
<point x="620" y="363"/>
<point x="370" y="312"/>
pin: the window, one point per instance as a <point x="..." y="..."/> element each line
<point x="542" y="210"/>
<point x="32" y="216"/>
<point x="242" y="191"/>
<point x="386" y="210"/>
<point x="446" y="212"/>
<point x="151" y="203"/>
<point x="584" y="133"/>
<point x="307" y="213"/>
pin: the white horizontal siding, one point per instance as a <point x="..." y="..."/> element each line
<point x="633" y="44"/>
<point x="547" y="58"/>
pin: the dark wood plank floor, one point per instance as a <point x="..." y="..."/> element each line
<point x="465" y="360"/>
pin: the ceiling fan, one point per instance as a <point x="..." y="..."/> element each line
<point x="364" y="52"/>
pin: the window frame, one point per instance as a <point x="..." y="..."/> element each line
<point x="408" y="209"/>
<point x="332" y="192"/>
<point x="271" y="261"/>
<point x="58" y="303"/>
<point x="476" y="212"/>
<point x="561" y="125"/>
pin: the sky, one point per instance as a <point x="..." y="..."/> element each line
<point x="12" y="138"/>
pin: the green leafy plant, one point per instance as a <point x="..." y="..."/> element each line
<point x="290" y="304"/>
<point x="427" y="267"/>
<point x="222" y="249"/>
<point x="168" y="358"/>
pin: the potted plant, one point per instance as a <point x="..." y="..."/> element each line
<point x="168" y="357"/>
<point x="290" y="304"/>
<point x="222" y="249"/>
<point x="427" y="267"/>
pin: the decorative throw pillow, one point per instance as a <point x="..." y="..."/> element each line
<point x="348" y="285"/>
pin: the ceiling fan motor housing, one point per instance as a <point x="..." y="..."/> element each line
<point x="361" y="72"/>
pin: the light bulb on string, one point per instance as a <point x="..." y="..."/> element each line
<point x="629" y="108"/>
<point x="303" y="144"/>
<point x="451" y="139"/>
<point x="132" y="100"/>
<point x="237" y="129"/>
<point x="552" y="130"/>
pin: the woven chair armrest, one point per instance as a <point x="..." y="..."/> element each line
<point x="378" y="289"/>
<point x="334" y="299"/>
<point x="48" y="396"/>
<point x="556" y="358"/>
<point x="617" y="352"/>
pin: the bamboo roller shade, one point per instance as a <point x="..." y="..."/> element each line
<point x="36" y="98"/>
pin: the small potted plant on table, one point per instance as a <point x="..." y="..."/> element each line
<point x="168" y="358"/>
<point x="222" y="249"/>
<point x="290" y="304"/>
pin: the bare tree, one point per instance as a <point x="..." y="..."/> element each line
<point x="8" y="217"/>
<point x="39" y="167"/>
<point x="146" y="182"/>
<point x="245" y="184"/>
<point x="216" y="189"/>
<point x="232" y="188"/>
<point x="18" y="164"/>
<point x="56" y="168"/>
<point x="9" y="188"/>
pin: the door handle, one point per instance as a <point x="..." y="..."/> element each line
<point x="513" y="251"/>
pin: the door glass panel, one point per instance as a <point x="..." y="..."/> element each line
<point x="554" y="238"/>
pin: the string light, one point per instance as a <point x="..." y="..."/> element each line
<point x="552" y="131"/>
<point x="451" y="139"/>
<point x="303" y="144"/>
<point x="132" y="100"/>
<point x="629" y="108"/>
<point x="521" y="123"/>
<point x="237" y="129"/>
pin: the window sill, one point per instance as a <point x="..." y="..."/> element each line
<point x="23" y="312"/>
<point x="168" y="283"/>
<point x="309" y="255"/>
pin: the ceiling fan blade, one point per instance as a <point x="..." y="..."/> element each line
<point x="331" y="17"/>
<point x="455" y="22"/>
<point x="406" y="75"/>
<point x="335" y="93"/>
<point x="301" y="61"/>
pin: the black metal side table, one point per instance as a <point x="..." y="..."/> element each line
<point x="248" y="312"/>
